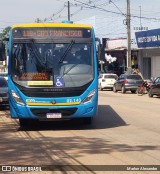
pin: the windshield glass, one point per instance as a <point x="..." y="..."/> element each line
<point x="54" y="65"/>
<point x="136" y="77"/>
<point x="111" y="77"/>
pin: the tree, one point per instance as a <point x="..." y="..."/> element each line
<point x="5" y="33"/>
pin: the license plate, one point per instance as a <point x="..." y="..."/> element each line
<point x="54" y="115"/>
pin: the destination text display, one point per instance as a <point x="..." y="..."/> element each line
<point x="51" y="33"/>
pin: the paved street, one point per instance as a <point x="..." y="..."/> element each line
<point x="125" y="132"/>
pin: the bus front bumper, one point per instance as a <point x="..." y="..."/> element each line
<point x="64" y="112"/>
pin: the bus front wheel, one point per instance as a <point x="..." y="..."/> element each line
<point x="27" y="122"/>
<point x="88" y="120"/>
<point x="23" y="122"/>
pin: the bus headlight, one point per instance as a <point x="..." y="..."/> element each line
<point x="17" y="98"/>
<point x="89" y="97"/>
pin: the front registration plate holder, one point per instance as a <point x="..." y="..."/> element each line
<point x="54" y="115"/>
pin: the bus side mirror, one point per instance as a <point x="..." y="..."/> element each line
<point x="100" y="50"/>
<point x="2" y="52"/>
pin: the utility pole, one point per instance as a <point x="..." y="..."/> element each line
<point x="128" y="36"/>
<point x="140" y="18"/>
<point x="68" y="11"/>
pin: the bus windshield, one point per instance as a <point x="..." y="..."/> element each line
<point x="52" y="64"/>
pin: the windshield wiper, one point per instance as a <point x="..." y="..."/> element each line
<point x="35" y="51"/>
<point x="66" y="51"/>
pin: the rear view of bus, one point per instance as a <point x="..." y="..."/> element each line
<point x="52" y="72"/>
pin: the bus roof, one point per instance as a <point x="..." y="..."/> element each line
<point x="63" y="25"/>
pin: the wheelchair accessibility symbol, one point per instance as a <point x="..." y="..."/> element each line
<point x="59" y="82"/>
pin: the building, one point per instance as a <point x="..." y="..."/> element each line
<point x="117" y="48"/>
<point x="148" y="43"/>
<point x="145" y="49"/>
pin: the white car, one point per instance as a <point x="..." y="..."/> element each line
<point x="106" y="81"/>
<point x="4" y="74"/>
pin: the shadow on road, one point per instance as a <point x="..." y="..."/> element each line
<point x="26" y="150"/>
<point x="21" y="148"/>
<point x="106" y="118"/>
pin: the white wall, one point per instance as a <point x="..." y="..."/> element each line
<point x="154" y="54"/>
<point x="155" y="63"/>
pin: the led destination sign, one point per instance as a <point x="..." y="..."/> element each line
<point x="51" y="33"/>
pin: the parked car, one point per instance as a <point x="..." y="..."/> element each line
<point x="127" y="82"/>
<point x="3" y="91"/>
<point x="106" y="81"/>
<point x="155" y="88"/>
<point x="4" y="74"/>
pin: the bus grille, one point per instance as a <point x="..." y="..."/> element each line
<point x="53" y="92"/>
<point x="43" y="112"/>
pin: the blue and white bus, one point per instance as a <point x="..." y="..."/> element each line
<point x="52" y="72"/>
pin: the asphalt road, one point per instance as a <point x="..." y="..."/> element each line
<point x="125" y="132"/>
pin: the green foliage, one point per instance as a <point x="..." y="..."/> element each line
<point x="5" y="33"/>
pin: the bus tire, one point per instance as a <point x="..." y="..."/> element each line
<point x="27" y="122"/>
<point x="23" y="122"/>
<point x="87" y="120"/>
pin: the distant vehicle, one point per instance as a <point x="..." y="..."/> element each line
<point x="4" y="74"/>
<point x="3" y="91"/>
<point x="155" y="88"/>
<point x="128" y="83"/>
<point x="106" y="81"/>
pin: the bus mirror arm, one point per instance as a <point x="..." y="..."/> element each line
<point x="100" y="49"/>
<point x="102" y="52"/>
<point x="2" y="51"/>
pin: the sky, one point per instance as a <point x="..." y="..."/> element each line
<point x="107" y="16"/>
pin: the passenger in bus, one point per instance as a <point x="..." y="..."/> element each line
<point x="55" y="66"/>
<point x="31" y="60"/>
<point x="84" y="56"/>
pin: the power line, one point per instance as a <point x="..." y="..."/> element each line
<point x="93" y="6"/>
<point x="74" y="13"/>
<point x="118" y="13"/>
<point x="110" y="1"/>
<point x="88" y="5"/>
<point x="59" y="11"/>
